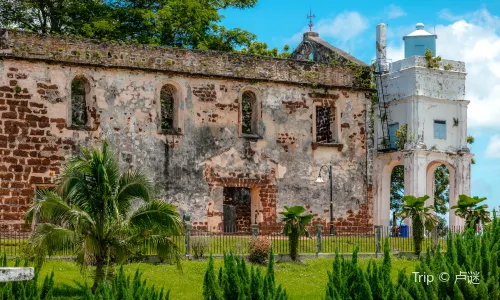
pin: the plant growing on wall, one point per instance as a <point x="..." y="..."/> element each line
<point x="473" y="213"/>
<point x="362" y="74"/>
<point x="422" y="217"/>
<point x="91" y="212"/>
<point x="432" y="62"/>
<point x="401" y="136"/>
<point x="295" y="226"/>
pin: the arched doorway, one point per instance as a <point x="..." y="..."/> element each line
<point x="389" y="190"/>
<point x="440" y="188"/>
<point x="396" y="194"/>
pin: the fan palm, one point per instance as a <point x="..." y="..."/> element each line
<point x="421" y="216"/>
<point x="91" y="211"/>
<point x="468" y="208"/>
<point x="295" y="226"/>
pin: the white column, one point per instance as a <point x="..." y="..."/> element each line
<point x="415" y="176"/>
<point x="461" y="185"/>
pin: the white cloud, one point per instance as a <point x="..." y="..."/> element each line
<point x="394" y="11"/>
<point x="493" y="148"/>
<point x="343" y="27"/>
<point x="473" y="38"/>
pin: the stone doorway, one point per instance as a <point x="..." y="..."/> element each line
<point x="237" y="213"/>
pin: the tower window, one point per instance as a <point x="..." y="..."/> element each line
<point x="79" y="92"/>
<point x="249" y="113"/>
<point x="392" y="134"/>
<point x="167" y="102"/>
<point x="440" y="129"/>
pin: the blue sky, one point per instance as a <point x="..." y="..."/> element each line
<point x="467" y="31"/>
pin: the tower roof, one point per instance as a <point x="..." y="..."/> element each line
<point x="419" y="32"/>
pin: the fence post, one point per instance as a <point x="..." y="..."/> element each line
<point x="377" y="240"/>
<point x="187" y="225"/>
<point x="255" y="230"/>
<point x="319" y="229"/>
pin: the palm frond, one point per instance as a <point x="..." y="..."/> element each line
<point x="157" y="215"/>
<point x="48" y="238"/>
<point x="165" y="247"/>
<point x="54" y="209"/>
<point x="132" y="185"/>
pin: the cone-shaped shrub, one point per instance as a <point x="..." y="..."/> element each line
<point x="237" y="283"/>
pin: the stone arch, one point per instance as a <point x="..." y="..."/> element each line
<point x="383" y="207"/>
<point x="176" y="92"/>
<point x="79" y="101"/>
<point x="249" y="124"/>
<point x="430" y="184"/>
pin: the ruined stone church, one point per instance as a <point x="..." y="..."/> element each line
<point x="230" y="139"/>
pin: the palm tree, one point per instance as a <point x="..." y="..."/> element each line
<point x="295" y="226"/>
<point x="421" y="217"/>
<point x="91" y="211"/>
<point x="467" y="208"/>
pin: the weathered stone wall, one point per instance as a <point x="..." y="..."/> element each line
<point x="191" y="168"/>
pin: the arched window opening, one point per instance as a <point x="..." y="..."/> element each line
<point x="167" y="102"/>
<point x="396" y="198"/>
<point x="249" y="113"/>
<point x="79" y="91"/>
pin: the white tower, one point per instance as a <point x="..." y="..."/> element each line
<point x="427" y="97"/>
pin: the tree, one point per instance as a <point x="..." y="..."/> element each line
<point x="44" y="16"/>
<point x="91" y="211"/>
<point x="421" y="216"/>
<point x="211" y="288"/>
<point x="175" y="23"/>
<point x="295" y="226"/>
<point x="441" y="189"/>
<point x="473" y="213"/>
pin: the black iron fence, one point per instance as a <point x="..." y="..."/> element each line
<point x="196" y="242"/>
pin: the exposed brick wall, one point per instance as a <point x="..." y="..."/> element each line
<point x="286" y="140"/>
<point x="30" y="155"/>
<point x="241" y="200"/>
<point x="293" y="106"/>
<point x="267" y="194"/>
<point x="205" y="93"/>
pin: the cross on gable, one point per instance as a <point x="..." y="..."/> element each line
<point x="310" y="17"/>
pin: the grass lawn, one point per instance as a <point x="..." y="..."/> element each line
<point x="302" y="280"/>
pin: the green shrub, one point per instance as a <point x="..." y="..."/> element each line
<point x="237" y="282"/>
<point x="469" y="253"/>
<point x="124" y="288"/>
<point x="199" y="245"/>
<point x="258" y="249"/>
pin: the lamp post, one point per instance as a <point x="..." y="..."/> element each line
<point x="320" y="180"/>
